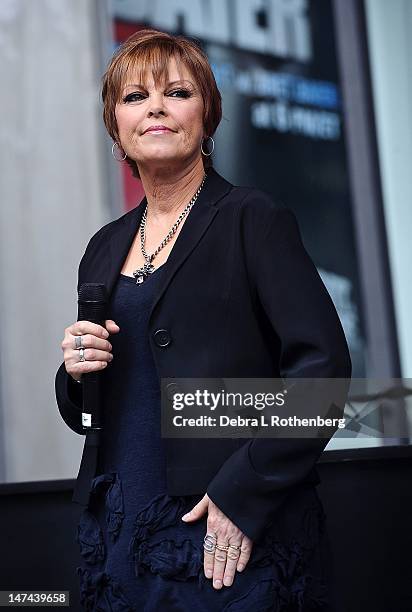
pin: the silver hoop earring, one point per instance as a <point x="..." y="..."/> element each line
<point x="213" y="147"/>
<point x="117" y="158"/>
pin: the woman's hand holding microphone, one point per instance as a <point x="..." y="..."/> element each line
<point x="94" y="341"/>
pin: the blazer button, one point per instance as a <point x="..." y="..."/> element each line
<point x="162" y="337"/>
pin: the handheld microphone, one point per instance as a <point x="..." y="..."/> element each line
<point x="92" y="306"/>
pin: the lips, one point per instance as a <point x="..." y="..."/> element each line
<point x="156" y="128"/>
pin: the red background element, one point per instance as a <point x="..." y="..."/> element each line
<point x="132" y="188"/>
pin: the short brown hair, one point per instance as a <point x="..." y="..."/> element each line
<point x="152" y="49"/>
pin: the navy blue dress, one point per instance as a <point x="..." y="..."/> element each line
<point x="137" y="553"/>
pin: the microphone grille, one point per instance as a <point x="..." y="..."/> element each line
<point x="93" y="292"/>
<point x="92" y="302"/>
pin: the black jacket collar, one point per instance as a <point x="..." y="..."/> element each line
<point x="198" y="220"/>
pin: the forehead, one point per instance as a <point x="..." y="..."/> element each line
<point x="154" y="75"/>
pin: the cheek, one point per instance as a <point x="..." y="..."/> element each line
<point x="125" y="121"/>
<point x="119" y="121"/>
<point x="193" y="125"/>
<point x="191" y="117"/>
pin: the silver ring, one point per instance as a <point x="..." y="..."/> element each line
<point x="234" y="551"/>
<point x="209" y="543"/>
<point x="78" y="342"/>
<point x="81" y="353"/>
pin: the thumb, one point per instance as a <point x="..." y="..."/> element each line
<point x="197" y="511"/>
<point x="111" y="326"/>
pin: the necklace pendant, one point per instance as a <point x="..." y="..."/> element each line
<point x="139" y="278"/>
<point x="139" y="275"/>
<point x="149" y="268"/>
<point x="142" y="273"/>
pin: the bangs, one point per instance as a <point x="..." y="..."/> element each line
<point x="139" y="64"/>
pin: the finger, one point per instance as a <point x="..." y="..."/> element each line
<point x="246" y="549"/>
<point x="92" y="354"/>
<point x="87" y="327"/>
<point x="93" y="335"/>
<point x="90" y="341"/>
<point x="95" y="360"/>
<point x="209" y="557"/>
<point x="112" y="326"/>
<point x="232" y="558"/>
<point x="84" y="367"/>
<point x="197" y="511"/>
<point x="219" y="563"/>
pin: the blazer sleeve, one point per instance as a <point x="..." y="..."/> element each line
<point x="255" y="480"/>
<point x="69" y="394"/>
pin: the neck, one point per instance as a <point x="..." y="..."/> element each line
<point x="169" y="191"/>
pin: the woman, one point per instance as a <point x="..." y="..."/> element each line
<point x="205" y="279"/>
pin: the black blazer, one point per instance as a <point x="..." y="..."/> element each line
<point x="241" y="298"/>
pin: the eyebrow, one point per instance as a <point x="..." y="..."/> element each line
<point x="170" y="83"/>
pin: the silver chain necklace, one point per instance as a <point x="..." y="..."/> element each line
<point x="142" y="273"/>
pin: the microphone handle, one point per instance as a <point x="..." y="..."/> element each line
<point x="92" y="306"/>
<point x="92" y="398"/>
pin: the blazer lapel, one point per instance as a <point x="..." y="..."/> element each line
<point x="121" y="241"/>
<point x="197" y="222"/>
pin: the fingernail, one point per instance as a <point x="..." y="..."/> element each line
<point x="185" y="516"/>
<point x="240" y="567"/>
<point x="106" y="334"/>
<point x="217" y="583"/>
<point x="227" y="581"/>
<point x="209" y="573"/>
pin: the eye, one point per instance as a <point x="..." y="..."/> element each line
<point x="185" y="93"/>
<point x="131" y="97"/>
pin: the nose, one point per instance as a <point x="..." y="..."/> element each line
<point x="156" y="106"/>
